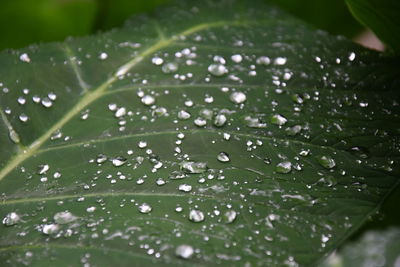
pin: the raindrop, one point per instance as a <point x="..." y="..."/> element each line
<point x="103" y="56"/>
<point x="23" y="117"/>
<point x="185" y="187"/>
<point x="230" y="216"/>
<point x="157" y="61"/>
<point x="14" y="136"/>
<point x="160" y="181"/>
<point x="278" y="119"/>
<point x="120" y="112"/>
<point x="196" y="216"/>
<point x="101" y="158"/>
<point x="170" y="67"/>
<point x="293" y="130"/>
<point x="11" y="218"/>
<point x="183" y="115"/>
<point x="42" y="169"/>
<point x="220" y="120"/>
<point x="144" y="208"/>
<point x="263" y="60"/>
<point x="280" y="61"/>
<point x="200" y="122"/>
<point x="46" y="102"/>
<point x="49" y="229"/>
<point x="148" y="100"/>
<point x="217" y="69"/>
<point x="24" y="58"/>
<point x="21" y="100"/>
<point x="64" y="217"/>
<point x="238" y="97"/>
<point x="142" y="144"/>
<point x="283" y="167"/>
<point x="326" y="162"/>
<point x="193" y="167"/>
<point x="223" y="157"/>
<point x="119" y="161"/>
<point x="184" y="251"/>
<point x="237" y="58"/>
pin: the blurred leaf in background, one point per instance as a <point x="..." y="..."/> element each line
<point x="382" y="17"/>
<point x="23" y="22"/>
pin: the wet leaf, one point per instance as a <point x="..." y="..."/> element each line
<point x="194" y="137"/>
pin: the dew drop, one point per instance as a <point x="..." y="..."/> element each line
<point x="23" y="117"/>
<point x="200" y="122"/>
<point x="64" y="217"/>
<point x="11" y="218"/>
<point x="142" y="144"/>
<point x="263" y="60"/>
<point x="283" y="167"/>
<point x="120" y="112"/>
<point x="237" y="58"/>
<point x="49" y="229"/>
<point x="220" y="120"/>
<point x="196" y="216"/>
<point x="217" y="69"/>
<point x="185" y="187"/>
<point x="238" y="97"/>
<point x="193" y="167"/>
<point x="144" y="208"/>
<point x="101" y="158"/>
<point x="278" y="119"/>
<point x="157" y="61"/>
<point x="148" y="100"/>
<point x="184" y="251"/>
<point x="170" y="67"/>
<point x="230" y="216"/>
<point x="326" y="162"/>
<point x="42" y="169"/>
<point x="103" y="56"/>
<point x="223" y="157"/>
<point x="183" y="115"/>
<point x="119" y="161"/>
<point x="24" y="58"/>
<point x="46" y="102"/>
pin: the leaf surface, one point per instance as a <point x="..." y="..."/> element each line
<point x="224" y="133"/>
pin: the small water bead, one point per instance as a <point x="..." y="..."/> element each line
<point x="352" y="56"/>
<point x="170" y="67"/>
<point x="148" y="100"/>
<point x="23" y="117"/>
<point x="263" y="60"/>
<point x="327" y="162"/>
<point x="14" y="136"/>
<point x="52" y="96"/>
<point x="56" y="175"/>
<point x="223" y="157"/>
<point x="42" y="169"/>
<point x="278" y="119"/>
<point x="36" y="99"/>
<point x="101" y="158"/>
<point x="220" y="120"/>
<point x="103" y="56"/>
<point x="120" y="112"/>
<point x="11" y="218"/>
<point x="184" y="251"/>
<point x="24" y="58"/>
<point x="200" y="122"/>
<point x="237" y="58"/>
<point x="183" y="115"/>
<point x="238" y="97"/>
<point x="196" y="216"/>
<point x="292" y="131"/>
<point x="227" y="136"/>
<point x="284" y="167"/>
<point x="254" y="122"/>
<point x="160" y="181"/>
<point x="280" y="61"/>
<point x="185" y="187"/>
<point x="157" y="61"/>
<point x="193" y="166"/>
<point x="230" y="216"/>
<point x="142" y="144"/>
<point x="46" y="102"/>
<point x="145" y="208"/>
<point x="21" y="100"/>
<point x="49" y="229"/>
<point x="217" y="69"/>
<point x="64" y="217"/>
<point x="119" y="161"/>
<point x="112" y="106"/>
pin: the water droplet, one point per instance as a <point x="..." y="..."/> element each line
<point x="280" y="61"/>
<point x="185" y="187"/>
<point x="21" y="100"/>
<point x="278" y="119"/>
<point x="263" y="60"/>
<point x="230" y="216"/>
<point x="119" y="161"/>
<point x="64" y="217"/>
<point x="103" y="56"/>
<point x="14" y="136"/>
<point x="160" y="181"/>
<point x="326" y="162"/>
<point x="217" y="69"/>
<point x="142" y="144"/>
<point x="200" y="122"/>
<point x="101" y="158"/>
<point x="254" y="122"/>
<point x="237" y="58"/>
<point x="220" y="120"/>
<point x="120" y="112"/>
<point x="283" y="167"/>
<point x="42" y="169"/>
<point x="170" y="67"/>
<point x="49" y="229"/>
<point x="292" y="131"/>
<point x="91" y="209"/>
<point x="238" y="97"/>
<point x="183" y="115"/>
<point x="360" y="151"/>
<point x="184" y="251"/>
<point x="157" y="61"/>
<point x="23" y="117"/>
<point x="196" y="216"/>
<point x="193" y="166"/>
<point x="223" y="157"/>
<point x="11" y="218"/>
<point x="24" y="58"/>
<point x="148" y="100"/>
<point x="46" y="102"/>
<point x="144" y="208"/>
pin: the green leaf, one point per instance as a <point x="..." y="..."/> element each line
<point x="381" y="16"/>
<point x="220" y="133"/>
<point x="374" y="248"/>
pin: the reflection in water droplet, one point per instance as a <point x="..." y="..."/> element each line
<point x="184" y="251"/>
<point x="11" y="218"/>
<point x="223" y="157"/>
<point x="217" y="69"/>
<point x="283" y="167"/>
<point x="238" y="97"/>
<point x="196" y="216"/>
<point x="145" y="208"/>
<point x="326" y="162"/>
<point x="193" y="167"/>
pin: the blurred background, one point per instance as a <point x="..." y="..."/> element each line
<point x="23" y="22"/>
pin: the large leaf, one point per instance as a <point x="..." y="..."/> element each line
<point x="381" y="16"/>
<point x="100" y="163"/>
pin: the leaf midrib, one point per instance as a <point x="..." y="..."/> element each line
<point x="91" y="96"/>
